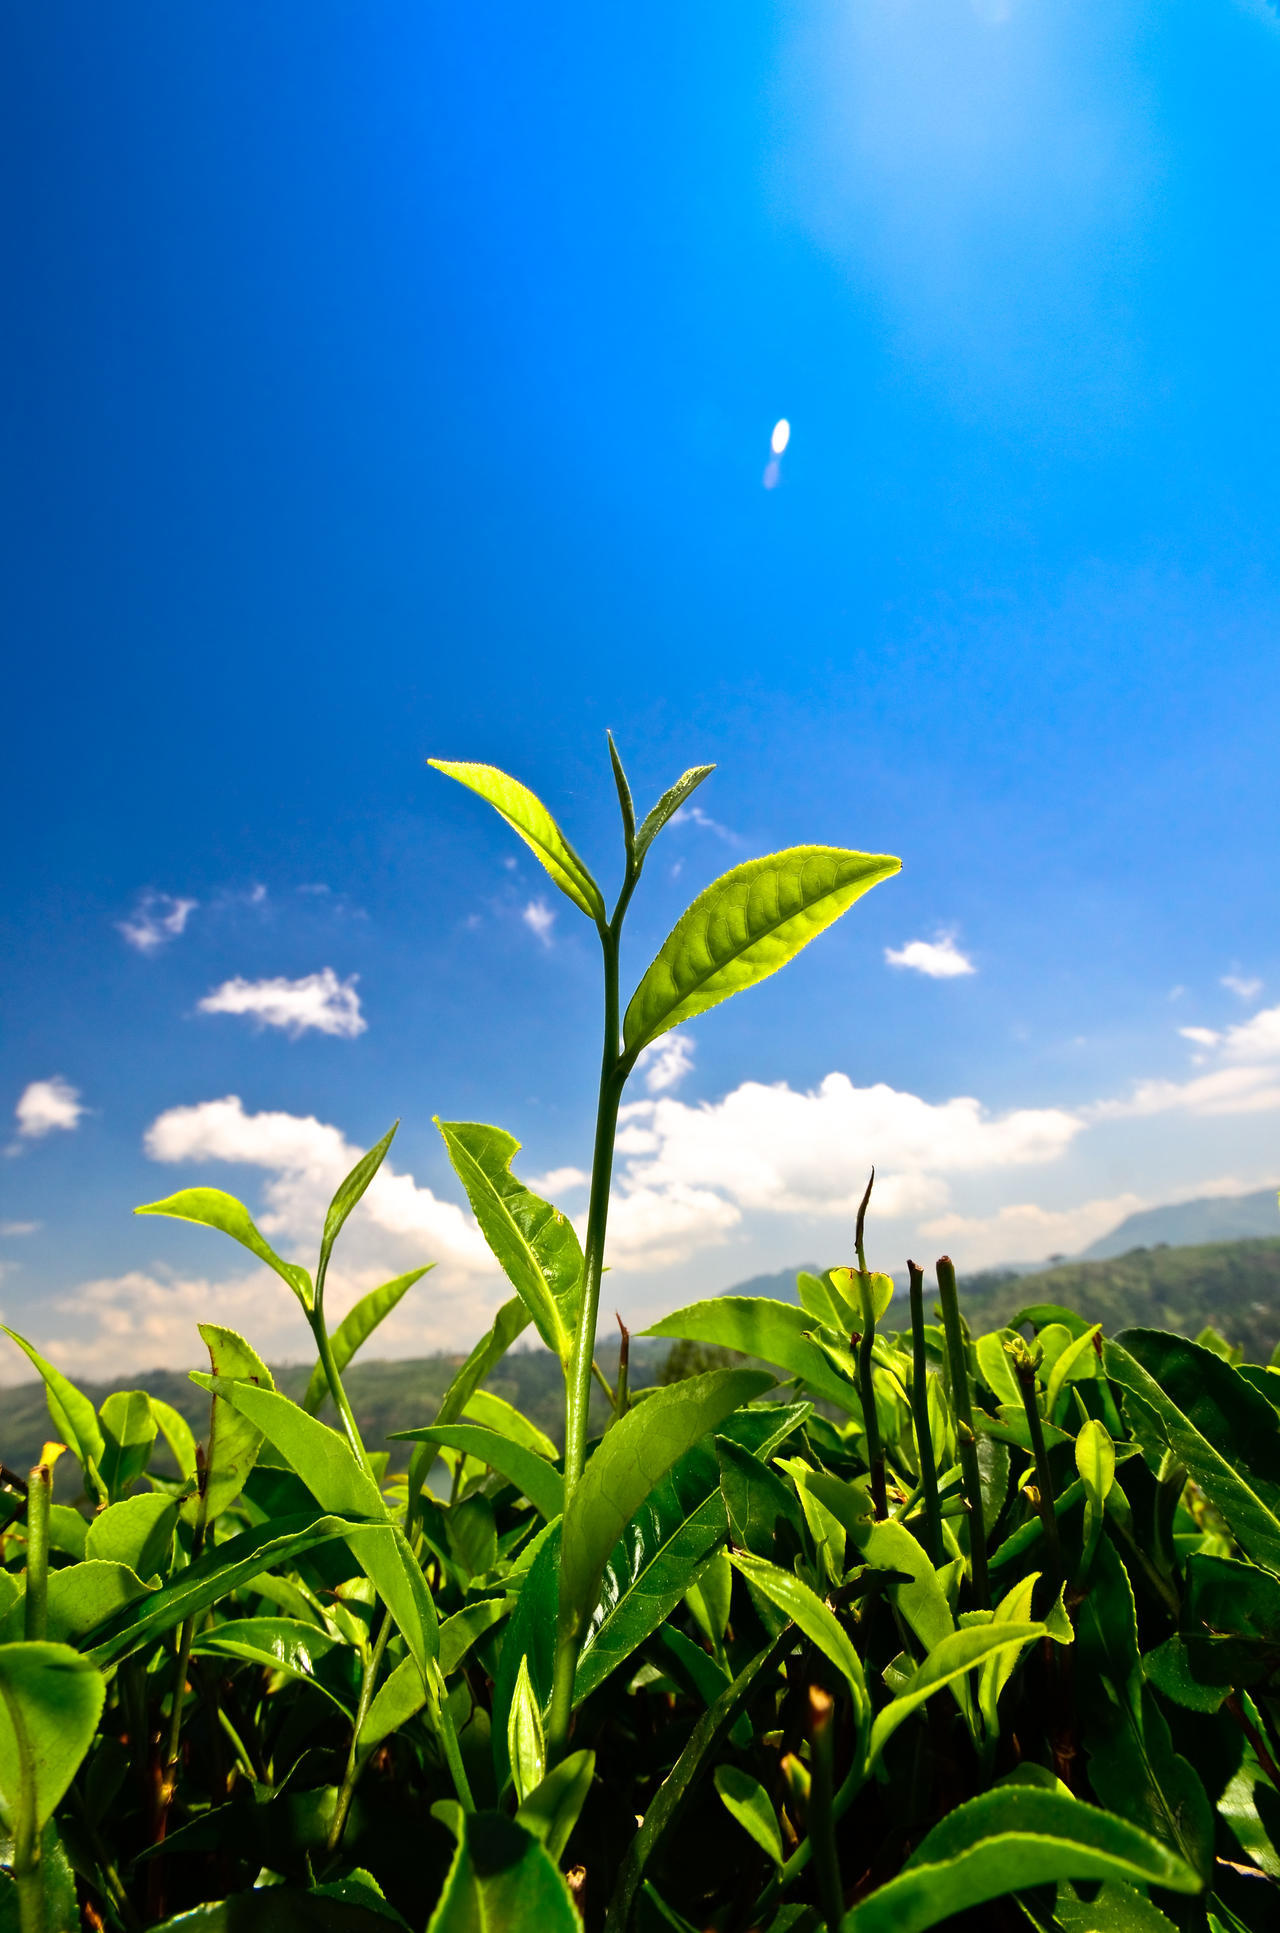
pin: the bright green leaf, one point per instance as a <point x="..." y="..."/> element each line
<point x="668" y="805"/>
<point x="806" y="1610"/>
<point x="212" y="1209"/>
<point x="502" y="1877"/>
<point x="234" y="1440"/>
<point x="946" y="1663"/>
<point x="138" y="1532"/>
<point x="746" y="1800"/>
<point x="177" y="1433"/>
<point x="496" y="1413"/>
<point x="50" y="1702"/>
<point x="346" y="1197"/>
<point x="526" y="1743"/>
<point x="744" y="927"/>
<point x="355" y="1329"/>
<point x="129" y="1429"/>
<point x="527" y="816"/>
<point x="776" y="1332"/>
<point x="532" y="1475"/>
<point x="74" y="1418"/>
<point x="551" y="1810"/>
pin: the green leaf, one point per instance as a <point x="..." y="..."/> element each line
<point x="1231" y="1621"/>
<point x="234" y="1441"/>
<point x="80" y="1598"/>
<point x="510" y="1322"/>
<point x="459" y="1633"/>
<point x="137" y="1532"/>
<point x="527" y="816"/>
<point x="551" y="1810"/>
<point x="757" y="1500"/>
<point x="744" y="927"/>
<point x="355" y="1329"/>
<point x="1007" y="1841"/>
<point x="526" y="1742"/>
<point x="530" y="1636"/>
<point x="1220" y="1429"/>
<point x="221" y="1570"/>
<point x="496" y="1413"/>
<point x="1096" y="1462"/>
<point x="324" y="1461"/>
<point x="1133" y="1767"/>
<point x="1077" y="1362"/>
<point x="177" y="1433"/>
<point x="996" y="1369"/>
<point x="947" y="1662"/>
<point x="399" y="1699"/>
<point x="50" y="1702"/>
<point x="823" y="1301"/>
<point x="626" y="805"/>
<point x="532" y="1475"/>
<point x="670" y="1798"/>
<point x="68" y="1531"/>
<point x="807" y="1611"/>
<point x="639" y="1450"/>
<point x="279" y="1644"/>
<point x="1115" y="1908"/>
<point x="536" y="1244"/>
<point x="502" y="1876"/>
<point x="848" y="1285"/>
<point x="129" y="1429"/>
<point x="348" y="1194"/>
<point x="776" y="1332"/>
<point x="667" y="807"/>
<point x="677" y="1529"/>
<point x="212" y="1209"/>
<point x="746" y="1800"/>
<point x="74" y="1418"/>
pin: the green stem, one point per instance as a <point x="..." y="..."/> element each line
<point x="866" y="1374"/>
<point x="966" y="1439"/>
<point x="346" y="1791"/>
<point x="39" y="1498"/>
<point x="822" y="1827"/>
<point x="319" y="1330"/>
<point x="1024" y="1370"/>
<point x="26" y="1837"/>
<point x="920" y="1416"/>
<point x="453" y="1753"/>
<point x="624" y="1370"/>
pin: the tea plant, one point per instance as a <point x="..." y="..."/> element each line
<point x="864" y="1630"/>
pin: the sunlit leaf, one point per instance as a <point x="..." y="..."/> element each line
<point x="527" y="815"/>
<point x="668" y="805"/>
<point x="348" y="1194"/>
<point x="502" y="1876"/>
<point x="213" y="1209"/>
<point x="355" y="1329"/>
<point x="532" y="1475"/>
<point x="50" y="1703"/>
<point x="74" y="1418"/>
<point x="744" y="927"/>
<point x="748" y="1802"/>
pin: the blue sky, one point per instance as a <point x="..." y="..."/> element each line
<point x="392" y="382"/>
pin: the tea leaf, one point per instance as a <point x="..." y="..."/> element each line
<point x="551" y="1810"/>
<point x="667" y="807"/>
<point x="947" y="1662"/>
<point x="532" y="1475"/>
<point x="527" y="816"/>
<point x="639" y="1450"/>
<point x="1007" y="1841"/>
<point x="496" y="1413"/>
<point x="758" y="1326"/>
<point x="536" y="1244"/>
<point x="747" y="1801"/>
<point x="744" y="927"/>
<point x="355" y="1329"/>
<point x="50" y="1702"/>
<point x="137" y="1531"/>
<point x="212" y="1209"/>
<point x="278" y="1644"/>
<point x="502" y="1876"/>
<point x="74" y="1418"/>
<point x="234" y="1441"/>
<point x="346" y="1197"/>
<point x="177" y="1433"/>
<point x="526" y="1745"/>
<point x="806" y="1610"/>
<point x="129" y="1427"/>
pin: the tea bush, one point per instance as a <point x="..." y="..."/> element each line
<point x="902" y="1629"/>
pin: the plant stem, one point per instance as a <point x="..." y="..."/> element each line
<point x="920" y="1416"/>
<point x="1024" y="1370"/>
<point x="624" y="1369"/>
<point x="320" y="1331"/>
<point x="39" y="1498"/>
<point x="822" y="1830"/>
<point x="866" y="1373"/>
<point x="346" y="1791"/>
<point x="967" y="1441"/>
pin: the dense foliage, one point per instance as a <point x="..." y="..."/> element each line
<point x="913" y="1623"/>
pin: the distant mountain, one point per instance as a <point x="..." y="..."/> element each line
<point x="1187" y="1224"/>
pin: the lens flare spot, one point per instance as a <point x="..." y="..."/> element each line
<point x="781" y="436"/>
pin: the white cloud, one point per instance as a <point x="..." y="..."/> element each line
<point x="1246" y="989"/>
<point x="692" y="1173"/>
<point x="940" y="959"/>
<point x="558" y="1181"/>
<point x="1245" y="1079"/>
<point x="1022" y="1231"/>
<point x="694" y="815"/>
<point x="156" y="919"/>
<point x="10" y="1229"/>
<point x="540" y="919"/>
<point x="320" y="1002"/>
<point x="666" y="1062"/>
<point x="44" y="1106"/>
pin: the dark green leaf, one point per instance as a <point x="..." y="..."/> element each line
<point x="279" y="1644"/>
<point x="355" y="1329"/>
<point x="945" y="1664"/>
<point x="635" y="1454"/>
<point x="1007" y="1841"/>
<point x="744" y="927"/>
<point x="527" y="815"/>
<point x="502" y="1877"/>
<point x="757" y="1500"/>
<point x="212" y="1209"/>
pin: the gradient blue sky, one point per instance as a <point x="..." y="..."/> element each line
<point x="387" y="381"/>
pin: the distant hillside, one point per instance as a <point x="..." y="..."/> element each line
<point x="1184" y="1224"/>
